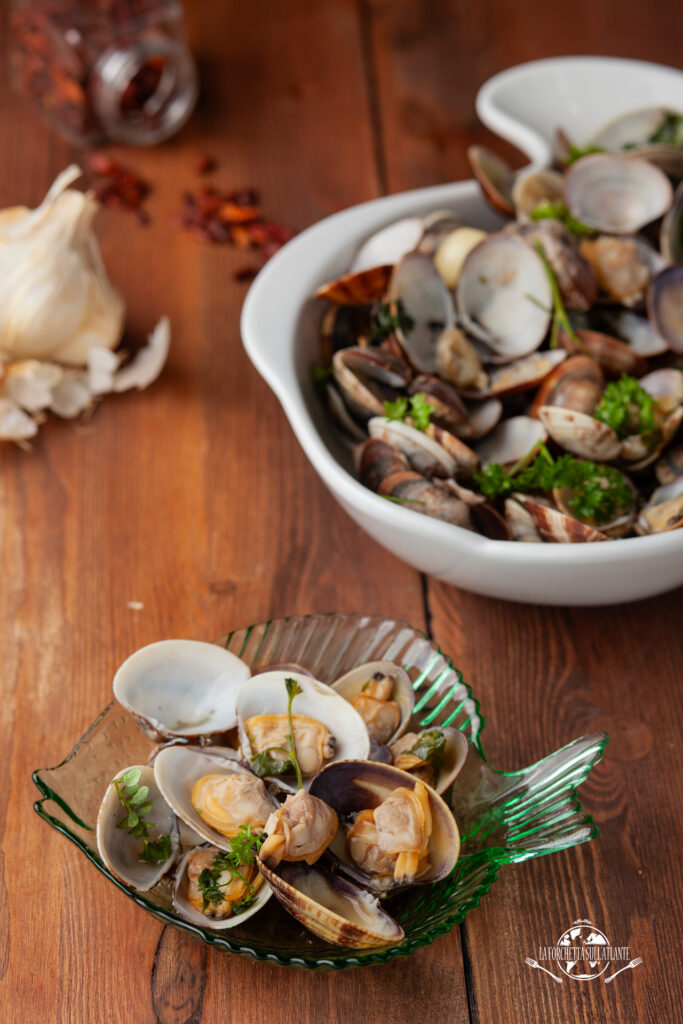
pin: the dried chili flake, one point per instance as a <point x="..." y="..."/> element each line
<point x="119" y="186"/>
<point x="206" y="165"/>
<point x="233" y="218"/>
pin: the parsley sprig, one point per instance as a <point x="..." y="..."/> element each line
<point x="576" y="152"/>
<point x="431" y="747"/>
<point x="559" y="211"/>
<point x="243" y="848"/>
<point x="626" y="408"/>
<point x="598" y="493"/>
<point x="670" y="131"/>
<point x="135" y="801"/>
<point x="263" y="764"/>
<point x="560" y="319"/>
<point x="414" y="407"/>
<point x="293" y="689"/>
<point x="387" y="318"/>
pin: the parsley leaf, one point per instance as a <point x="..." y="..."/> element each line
<point x="576" y="152"/>
<point x="242" y="849"/>
<point x="416" y="407"/>
<point x="135" y="802"/>
<point x="263" y="764"/>
<point x="626" y="408"/>
<point x="559" y="211"/>
<point x="387" y="318"/>
<point x="431" y="747"/>
<point x="597" y="492"/>
<point x="156" y="851"/>
<point x="560" y="318"/>
<point x="670" y="131"/>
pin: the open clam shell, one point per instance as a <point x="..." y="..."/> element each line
<point x="577" y="384"/>
<point x="503" y="296"/>
<point x="357" y="289"/>
<point x="181" y="688"/>
<point x="511" y="440"/>
<point x="424" y="454"/>
<point x="495" y="177"/>
<point x="427" y="307"/>
<point x="616" y="195"/>
<point x="353" y="786"/>
<point x="455" y="754"/>
<point x="556" y="527"/>
<point x="664" y="510"/>
<point x="184" y="908"/>
<point x="121" y="851"/>
<point x="352" y="683"/>
<point x="177" y="769"/>
<point x="665" y="306"/>
<point x="332" y="907"/>
<point x="389" y="244"/>
<point x="266" y="694"/>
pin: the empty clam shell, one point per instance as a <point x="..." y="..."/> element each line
<point x="357" y="289"/>
<point x="121" y="851"/>
<point x="266" y="695"/>
<point x="580" y="434"/>
<point x="353" y="683"/>
<point x="616" y="195"/>
<point x="185" y="909"/>
<point x="177" y="769"/>
<point x="354" y="786"/>
<point x="181" y="688"/>
<point x="332" y="907"/>
<point x="427" y="307"/>
<point x="389" y="244"/>
<point x="503" y="296"/>
<point x="511" y="440"/>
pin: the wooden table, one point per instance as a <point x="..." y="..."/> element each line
<point x="194" y="499"/>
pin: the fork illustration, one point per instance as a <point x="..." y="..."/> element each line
<point x="532" y="963"/>
<point x="634" y="963"/>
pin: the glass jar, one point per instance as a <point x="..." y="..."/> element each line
<point x="100" y="70"/>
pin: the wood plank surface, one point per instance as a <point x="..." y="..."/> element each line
<point x="194" y="499"/>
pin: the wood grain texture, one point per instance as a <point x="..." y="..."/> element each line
<point x="194" y="499"/>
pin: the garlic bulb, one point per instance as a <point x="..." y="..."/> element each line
<point x="56" y="301"/>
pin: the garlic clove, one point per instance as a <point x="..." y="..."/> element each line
<point x="15" y="424"/>
<point x="148" y="363"/>
<point x="72" y="395"/>
<point x="30" y="383"/>
<point x="102" y="365"/>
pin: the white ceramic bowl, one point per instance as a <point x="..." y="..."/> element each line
<point x="280" y="328"/>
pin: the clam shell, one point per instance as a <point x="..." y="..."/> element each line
<point x="389" y="244"/>
<point x="184" y="908"/>
<point x="351" y="684"/>
<point x="181" y="688"/>
<point x="266" y="694"/>
<point x="521" y="375"/>
<point x="357" y="289"/>
<point x="557" y="527"/>
<point x="521" y="523"/>
<point x="176" y="769"/>
<point x="417" y="285"/>
<point x="671" y="233"/>
<point x="332" y="907"/>
<point x="120" y="851"/>
<point x="664" y="511"/>
<point x="495" y="177"/>
<point x="503" y="296"/>
<point x="612" y="355"/>
<point x="534" y="187"/>
<point x="511" y="440"/>
<point x="580" y="434"/>
<point x="352" y="786"/>
<point x="616" y="195"/>
<point x="425" y="455"/>
<point x="455" y="755"/>
<point x="575" y="384"/>
<point x="665" y="306"/>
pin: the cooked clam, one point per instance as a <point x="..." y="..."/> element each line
<point x="213" y="795"/>
<point x="665" y="306"/>
<point x="325" y="726"/>
<point x="580" y="434"/>
<point x="512" y="440"/>
<point x="389" y="244"/>
<point x="395" y="830"/>
<point x="615" y="195"/>
<point x="433" y="755"/>
<point x="383" y="695"/>
<point x="123" y="852"/>
<point x="332" y="907"/>
<point x="181" y="688"/>
<point x="427" y="307"/>
<point x="301" y="829"/>
<point x="233" y="897"/>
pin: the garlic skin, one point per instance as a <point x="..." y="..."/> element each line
<point x="56" y="301"/>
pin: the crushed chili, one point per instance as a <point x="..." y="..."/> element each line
<point x="120" y="187"/>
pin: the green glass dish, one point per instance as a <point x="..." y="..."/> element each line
<point x="504" y="817"/>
